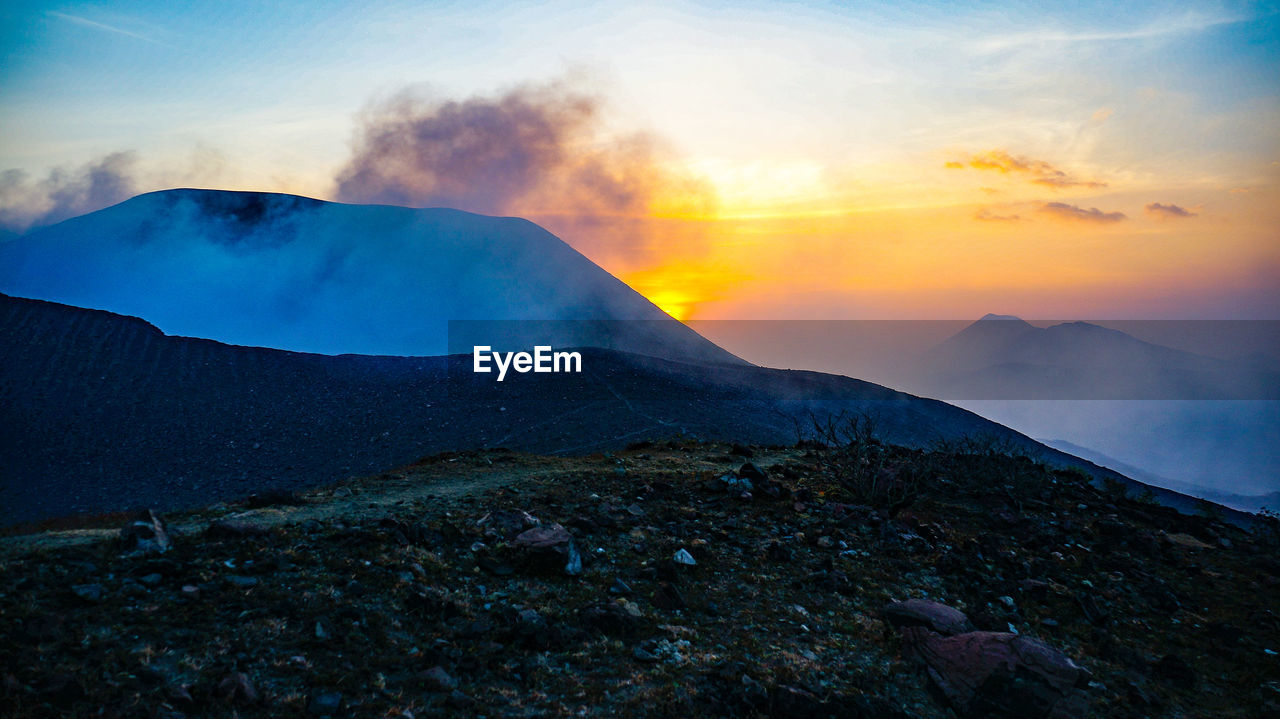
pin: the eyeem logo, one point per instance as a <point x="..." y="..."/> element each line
<point x="542" y="360"/>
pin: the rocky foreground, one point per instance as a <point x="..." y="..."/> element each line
<point x="669" y="579"/>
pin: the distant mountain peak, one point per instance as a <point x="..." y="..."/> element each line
<point x="991" y="316"/>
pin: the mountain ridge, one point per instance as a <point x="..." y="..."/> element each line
<point x="107" y="413"/>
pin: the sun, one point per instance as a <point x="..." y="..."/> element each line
<point x="674" y="302"/>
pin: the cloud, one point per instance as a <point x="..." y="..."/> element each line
<point x="986" y="215"/>
<point x="538" y="151"/>
<point x="1064" y="211"/>
<point x="65" y="193"/>
<point x="1038" y="172"/>
<point x="1155" y="209"/>
<point x="103" y="27"/>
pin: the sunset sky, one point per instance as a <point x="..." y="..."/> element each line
<point x="728" y="160"/>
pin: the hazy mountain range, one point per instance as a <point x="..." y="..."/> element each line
<point x="1003" y="357"/>
<point x="1185" y="421"/>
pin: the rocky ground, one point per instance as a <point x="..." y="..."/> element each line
<point x="668" y="579"/>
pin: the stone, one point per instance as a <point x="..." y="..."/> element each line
<point x="237" y="689"/>
<point x="494" y="567"/>
<point x="1095" y="612"/>
<point x="503" y="524"/>
<point x="324" y="704"/>
<point x="935" y="616"/>
<point x="610" y="618"/>
<point x="550" y="545"/>
<point x="532" y="626"/>
<point x="668" y="597"/>
<point x="751" y="472"/>
<point x="683" y="557"/>
<point x="273" y="497"/>
<point x="573" y="562"/>
<point x="777" y="552"/>
<point x="145" y="534"/>
<point x="795" y="703"/>
<point x="997" y="674"/>
<point x="735" y="485"/>
<point x="538" y="538"/>
<point x="437" y="679"/>
<point x="1186" y="540"/>
<point x="91" y="593"/>
<point x="132" y="589"/>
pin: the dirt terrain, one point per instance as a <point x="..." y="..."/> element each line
<point x="675" y="578"/>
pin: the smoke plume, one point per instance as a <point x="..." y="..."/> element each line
<point x="65" y="193"/>
<point x="537" y="151"/>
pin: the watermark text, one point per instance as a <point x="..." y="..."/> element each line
<point x="541" y="360"/>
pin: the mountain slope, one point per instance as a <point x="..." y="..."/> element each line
<point x="104" y="412"/>
<point x="271" y="270"/>
<point x="1243" y="502"/>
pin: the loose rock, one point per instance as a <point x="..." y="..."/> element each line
<point x="1000" y="675"/>
<point x="937" y="617"/>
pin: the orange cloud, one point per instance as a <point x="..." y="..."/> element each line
<point x="1063" y="211"/>
<point x="1170" y="211"/>
<point x="988" y="216"/>
<point x="1038" y="172"/>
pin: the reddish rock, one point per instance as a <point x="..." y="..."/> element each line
<point x="437" y="679"/>
<point x="932" y="615"/>
<point x="540" y="538"/>
<point x="237" y="689"/>
<point x="550" y="545"/>
<point x="995" y="674"/>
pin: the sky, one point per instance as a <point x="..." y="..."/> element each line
<point x="795" y="160"/>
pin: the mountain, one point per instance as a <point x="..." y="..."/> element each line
<point x="1001" y="357"/>
<point x="1192" y="423"/>
<point x="1242" y="502"/>
<point x="104" y="412"/>
<point x="286" y="272"/>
